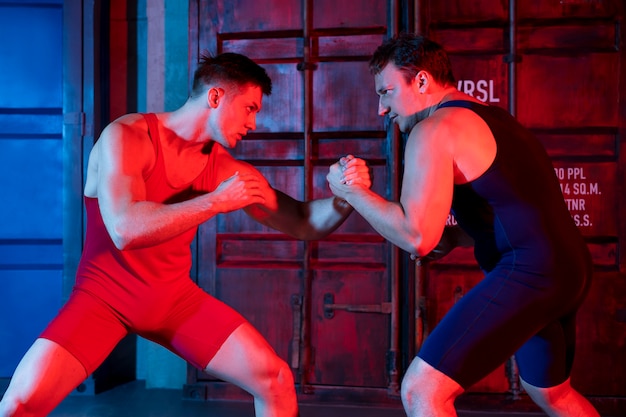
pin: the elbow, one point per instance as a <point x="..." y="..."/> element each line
<point x="413" y="247"/>
<point x="120" y="242"/>
<point x="121" y="237"/>
<point x="122" y="245"/>
<point x="417" y="246"/>
<point x="414" y="250"/>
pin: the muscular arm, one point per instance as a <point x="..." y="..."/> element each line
<point x="307" y="220"/>
<point x="124" y="154"/>
<point x="416" y="222"/>
<point x="310" y="220"/>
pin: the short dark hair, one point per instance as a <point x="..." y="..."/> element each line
<point x="229" y="67"/>
<point x="412" y="53"/>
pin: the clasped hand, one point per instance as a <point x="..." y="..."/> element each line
<point x="347" y="173"/>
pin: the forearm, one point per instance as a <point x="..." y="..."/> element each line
<point x="388" y="218"/>
<point x="310" y="220"/>
<point x="146" y="223"/>
<point x="324" y="217"/>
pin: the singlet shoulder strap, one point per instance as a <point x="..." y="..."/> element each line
<point x="153" y="134"/>
<point x="153" y="130"/>
<point x="457" y="103"/>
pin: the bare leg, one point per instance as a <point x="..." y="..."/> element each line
<point x="248" y="361"/>
<point x="44" y="377"/>
<point x="427" y="392"/>
<point x="561" y="400"/>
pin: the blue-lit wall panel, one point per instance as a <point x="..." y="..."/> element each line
<point x="31" y="173"/>
<point x="30" y="298"/>
<point x="30" y="47"/>
<point x="34" y="169"/>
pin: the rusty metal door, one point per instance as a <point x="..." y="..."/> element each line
<point x="329" y="308"/>
<point x="557" y="66"/>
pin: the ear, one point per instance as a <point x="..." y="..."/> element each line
<point x="423" y="80"/>
<point x="214" y="96"/>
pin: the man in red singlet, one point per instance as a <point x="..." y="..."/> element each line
<point x="152" y="180"/>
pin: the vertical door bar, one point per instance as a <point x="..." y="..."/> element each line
<point x="419" y="20"/>
<point x="307" y="273"/>
<point x="420" y="275"/>
<point x="394" y="264"/>
<point x="512" y="372"/>
<point x="78" y="37"/>
<point x="512" y="54"/>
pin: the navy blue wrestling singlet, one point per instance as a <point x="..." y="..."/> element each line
<point x="536" y="263"/>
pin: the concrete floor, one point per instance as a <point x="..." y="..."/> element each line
<point x="134" y="400"/>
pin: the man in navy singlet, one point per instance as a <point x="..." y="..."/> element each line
<point x="479" y="163"/>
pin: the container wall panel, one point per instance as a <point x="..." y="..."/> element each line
<point x="559" y="70"/>
<point x="323" y="106"/>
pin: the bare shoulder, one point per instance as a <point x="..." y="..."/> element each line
<point x="439" y="131"/>
<point x="124" y="142"/>
<point x="228" y="165"/>
<point x="124" y="146"/>
<point x="457" y="123"/>
<point x="130" y="127"/>
<point x="128" y="135"/>
<point x="473" y="146"/>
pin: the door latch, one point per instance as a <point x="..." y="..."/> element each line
<point x="330" y="307"/>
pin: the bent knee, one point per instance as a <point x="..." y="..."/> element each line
<point x="276" y="376"/>
<point x="423" y="385"/>
<point x="415" y="389"/>
<point x="547" y="397"/>
<point x="282" y="375"/>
